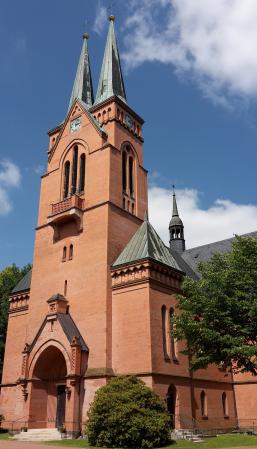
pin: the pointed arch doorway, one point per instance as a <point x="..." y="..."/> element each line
<point x="48" y="390"/>
<point x="171" y="399"/>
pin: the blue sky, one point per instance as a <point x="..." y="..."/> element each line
<point x="190" y="71"/>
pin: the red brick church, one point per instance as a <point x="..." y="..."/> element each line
<point x="103" y="286"/>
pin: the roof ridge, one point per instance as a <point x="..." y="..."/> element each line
<point x="220" y="241"/>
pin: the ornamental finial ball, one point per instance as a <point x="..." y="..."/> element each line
<point x="85" y="36"/>
<point x="112" y="18"/>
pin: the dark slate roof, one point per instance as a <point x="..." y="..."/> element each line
<point x="24" y="283"/>
<point x="203" y="253"/>
<point x="175" y="220"/>
<point x="146" y="244"/>
<point x="111" y="79"/>
<point x="183" y="265"/>
<point x="70" y="329"/>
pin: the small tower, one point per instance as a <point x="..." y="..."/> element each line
<point x="176" y="229"/>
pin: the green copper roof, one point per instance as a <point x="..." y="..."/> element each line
<point x="146" y="244"/>
<point x="111" y="80"/>
<point x="83" y="87"/>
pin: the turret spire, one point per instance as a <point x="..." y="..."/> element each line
<point x="111" y="79"/>
<point x="83" y="87"/>
<point x="176" y="228"/>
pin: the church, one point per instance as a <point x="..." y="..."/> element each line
<point x="103" y="287"/>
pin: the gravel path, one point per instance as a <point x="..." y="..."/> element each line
<point x="6" y="444"/>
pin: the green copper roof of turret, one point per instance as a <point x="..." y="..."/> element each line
<point x="145" y="244"/>
<point x="111" y="79"/>
<point x="83" y="86"/>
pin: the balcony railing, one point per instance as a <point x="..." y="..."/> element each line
<point x="68" y="203"/>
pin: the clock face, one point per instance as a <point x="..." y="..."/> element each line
<point x="129" y="121"/>
<point x="75" y="124"/>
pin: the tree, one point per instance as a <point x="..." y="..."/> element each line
<point x="126" y="413"/>
<point x="9" y="277"/>
<point x="217" y="315"/>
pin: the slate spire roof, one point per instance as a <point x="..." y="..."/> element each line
<point x="146" y="244"/>
<point x="83" y="86"/>
<point x="175" y="220"/>
<point x="111" y="79"/>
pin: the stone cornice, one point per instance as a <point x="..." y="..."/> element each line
<point x="146" y="270"/>
<point x="19" y="301"/>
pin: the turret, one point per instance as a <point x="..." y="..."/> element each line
<point x="176" y="229"/>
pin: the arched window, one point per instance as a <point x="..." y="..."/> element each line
<point x="203" y="404"/>
<point x="74" y="170"/>
<point x="66" y="179"/>
<point x="124" y="171"/>
<point x="65" y="288"/>
<point x="64" y="254"/>
<point x="71" y="252"/>
<point x="131" y="177"/>
<point x="128" y="171"/>
<point x="164" y="334"/>
<point x="173" y="354"/>
<point x="225" y="404"/>
<point x="82" y="169"/>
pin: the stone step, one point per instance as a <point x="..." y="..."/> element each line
<point x="38" y="435"/>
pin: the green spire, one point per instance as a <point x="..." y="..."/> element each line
<point x="111" y="80"/>
<point x="83" y="87"/>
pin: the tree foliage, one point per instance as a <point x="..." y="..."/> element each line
<point x="217" y="315"/>
<point x="9" y="277"/>
<point x="127" y="414"/>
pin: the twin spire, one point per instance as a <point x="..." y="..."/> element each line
<point x="111" y="80"/>
<point x="83" y="86"/>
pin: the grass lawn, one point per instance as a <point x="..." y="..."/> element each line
<point x="4" y="436"/>
<point x="217" y="442"/>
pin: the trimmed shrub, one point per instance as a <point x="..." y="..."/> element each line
<point x="127" y="414"/>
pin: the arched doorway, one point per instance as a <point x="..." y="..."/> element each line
<point x="171" y="404"/>
<point x="48" y="394"/>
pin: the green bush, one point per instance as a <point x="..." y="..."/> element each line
<point x="127" y="414"/>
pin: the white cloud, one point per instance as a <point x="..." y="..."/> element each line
<point x="39" y="169"/>
<point x="100" y="19"/>
<point x="214" y="42"/>
<point x="9" y="177"/>
<point x="221" y="220"/>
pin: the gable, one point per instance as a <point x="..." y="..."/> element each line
<point x="79" y="124"/>
<point x="62" y="327"/>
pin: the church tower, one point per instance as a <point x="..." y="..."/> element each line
<point x="101" y="296"/>
<point x="93" y="199"/>
<point x="176" y="229"/>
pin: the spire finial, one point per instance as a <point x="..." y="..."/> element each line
<point x="146" y="215"/>
<point x="112" y="18"/>
<point x="85" y="36"/>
